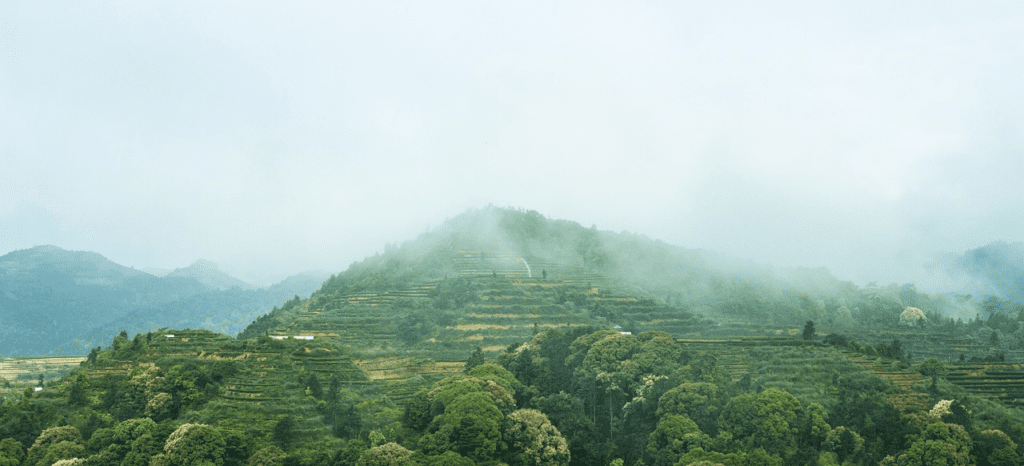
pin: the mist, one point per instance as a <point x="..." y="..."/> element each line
<point x="871" y="139"/>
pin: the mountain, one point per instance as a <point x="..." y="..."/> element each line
<point x="207" y="273"/>
<point x="156" y="272"/>
<point x="49" y="295"/>
<point x="58" y="301"/>
<point x="995" y="269"/>
<point x="225" y="311"/>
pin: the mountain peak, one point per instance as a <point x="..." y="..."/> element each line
<point x="207" y="273"/>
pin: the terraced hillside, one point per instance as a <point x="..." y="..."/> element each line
<point x="20" y="372"/>
<point x="256" y="383"/>
<point x="804" y="369"/>
<point x="924" y="343"/>
<point x="428" y="329"/>
<point x="1002" y="382"/>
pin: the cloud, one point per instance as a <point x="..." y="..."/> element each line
<point x="269" y="138"/>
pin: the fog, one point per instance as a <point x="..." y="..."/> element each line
<point x="869" y="138"/>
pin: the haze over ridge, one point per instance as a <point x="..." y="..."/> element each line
<point x="864" y="138"/>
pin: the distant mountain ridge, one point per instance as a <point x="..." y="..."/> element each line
<point x="224" y="311"/>
<point x="209" y="274"/>
<point x="996" y="268"/>
<point x="51" y="297"/>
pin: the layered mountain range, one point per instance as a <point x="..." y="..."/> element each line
<point x="57" y="301"/>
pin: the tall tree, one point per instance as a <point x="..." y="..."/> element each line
<point x="809" y="330"/>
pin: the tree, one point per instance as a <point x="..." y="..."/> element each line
<point x="674" y="436"/>
<point x="314" y="388"/>
<point x="845" y="444"/>
<point x="77" y="393"/>
<point x="470" y="426"/>
<point x="938" y="444"/>
<point x="994" y="448"/>
<point x="933" y="368"/>
<point x="268" y="456"/>
<point x="134" y="442"/>
<point x="62" y="440"/>
<point x="284" y="431"/>
<point x="767" y="420"/>
<point x="698" y="401"/>
<point x="533" y="441"/>
<point x="11" y="452"/>
<point x="194" y="445"/>
<point x="389" y="454"/>
<point x="566" y="412"/>
<point x="808" y="330"/>
<point x="475" y="359"/>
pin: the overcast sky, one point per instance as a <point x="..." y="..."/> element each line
<point x="272" y="138"/>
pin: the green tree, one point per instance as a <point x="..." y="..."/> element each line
<point x="533" y="440"/>
<point x="809" y="330"/>
<point x="475" y="359"/>
<point x="284" y="431"/>
<point x="195" y="445"/>
<point x="846" y="444"/>
<point x="11" y="452"/>
<point x="938" y="444"/>
<point x="698" y="401"/>
<point x="77" y="392"/>
<point x="62" y="440"/>
<point x="586" y="445"/>
<point x="448" y="458"/>
<point x="135" y="441"/>
<point x="470" y="426"/>
<point x="767" y="420"/>
<point x="268" y="456"/>
<point x="933" y="368"/>
<point x="994" y="448"/>
<point x="755" y="457"/>
<point x="63" y="450"/>
<point x="675" y="435"/>
<point x="389" y="454"/>
<point x="313" y="386"/>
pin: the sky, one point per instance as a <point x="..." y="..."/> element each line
<point x="276" y="137"/>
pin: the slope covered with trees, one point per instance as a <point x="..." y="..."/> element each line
<point x="506" y="338"/>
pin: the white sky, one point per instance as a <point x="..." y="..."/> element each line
<point x="277" y="137"/>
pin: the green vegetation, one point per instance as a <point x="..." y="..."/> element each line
<point x="448" y="350"/>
